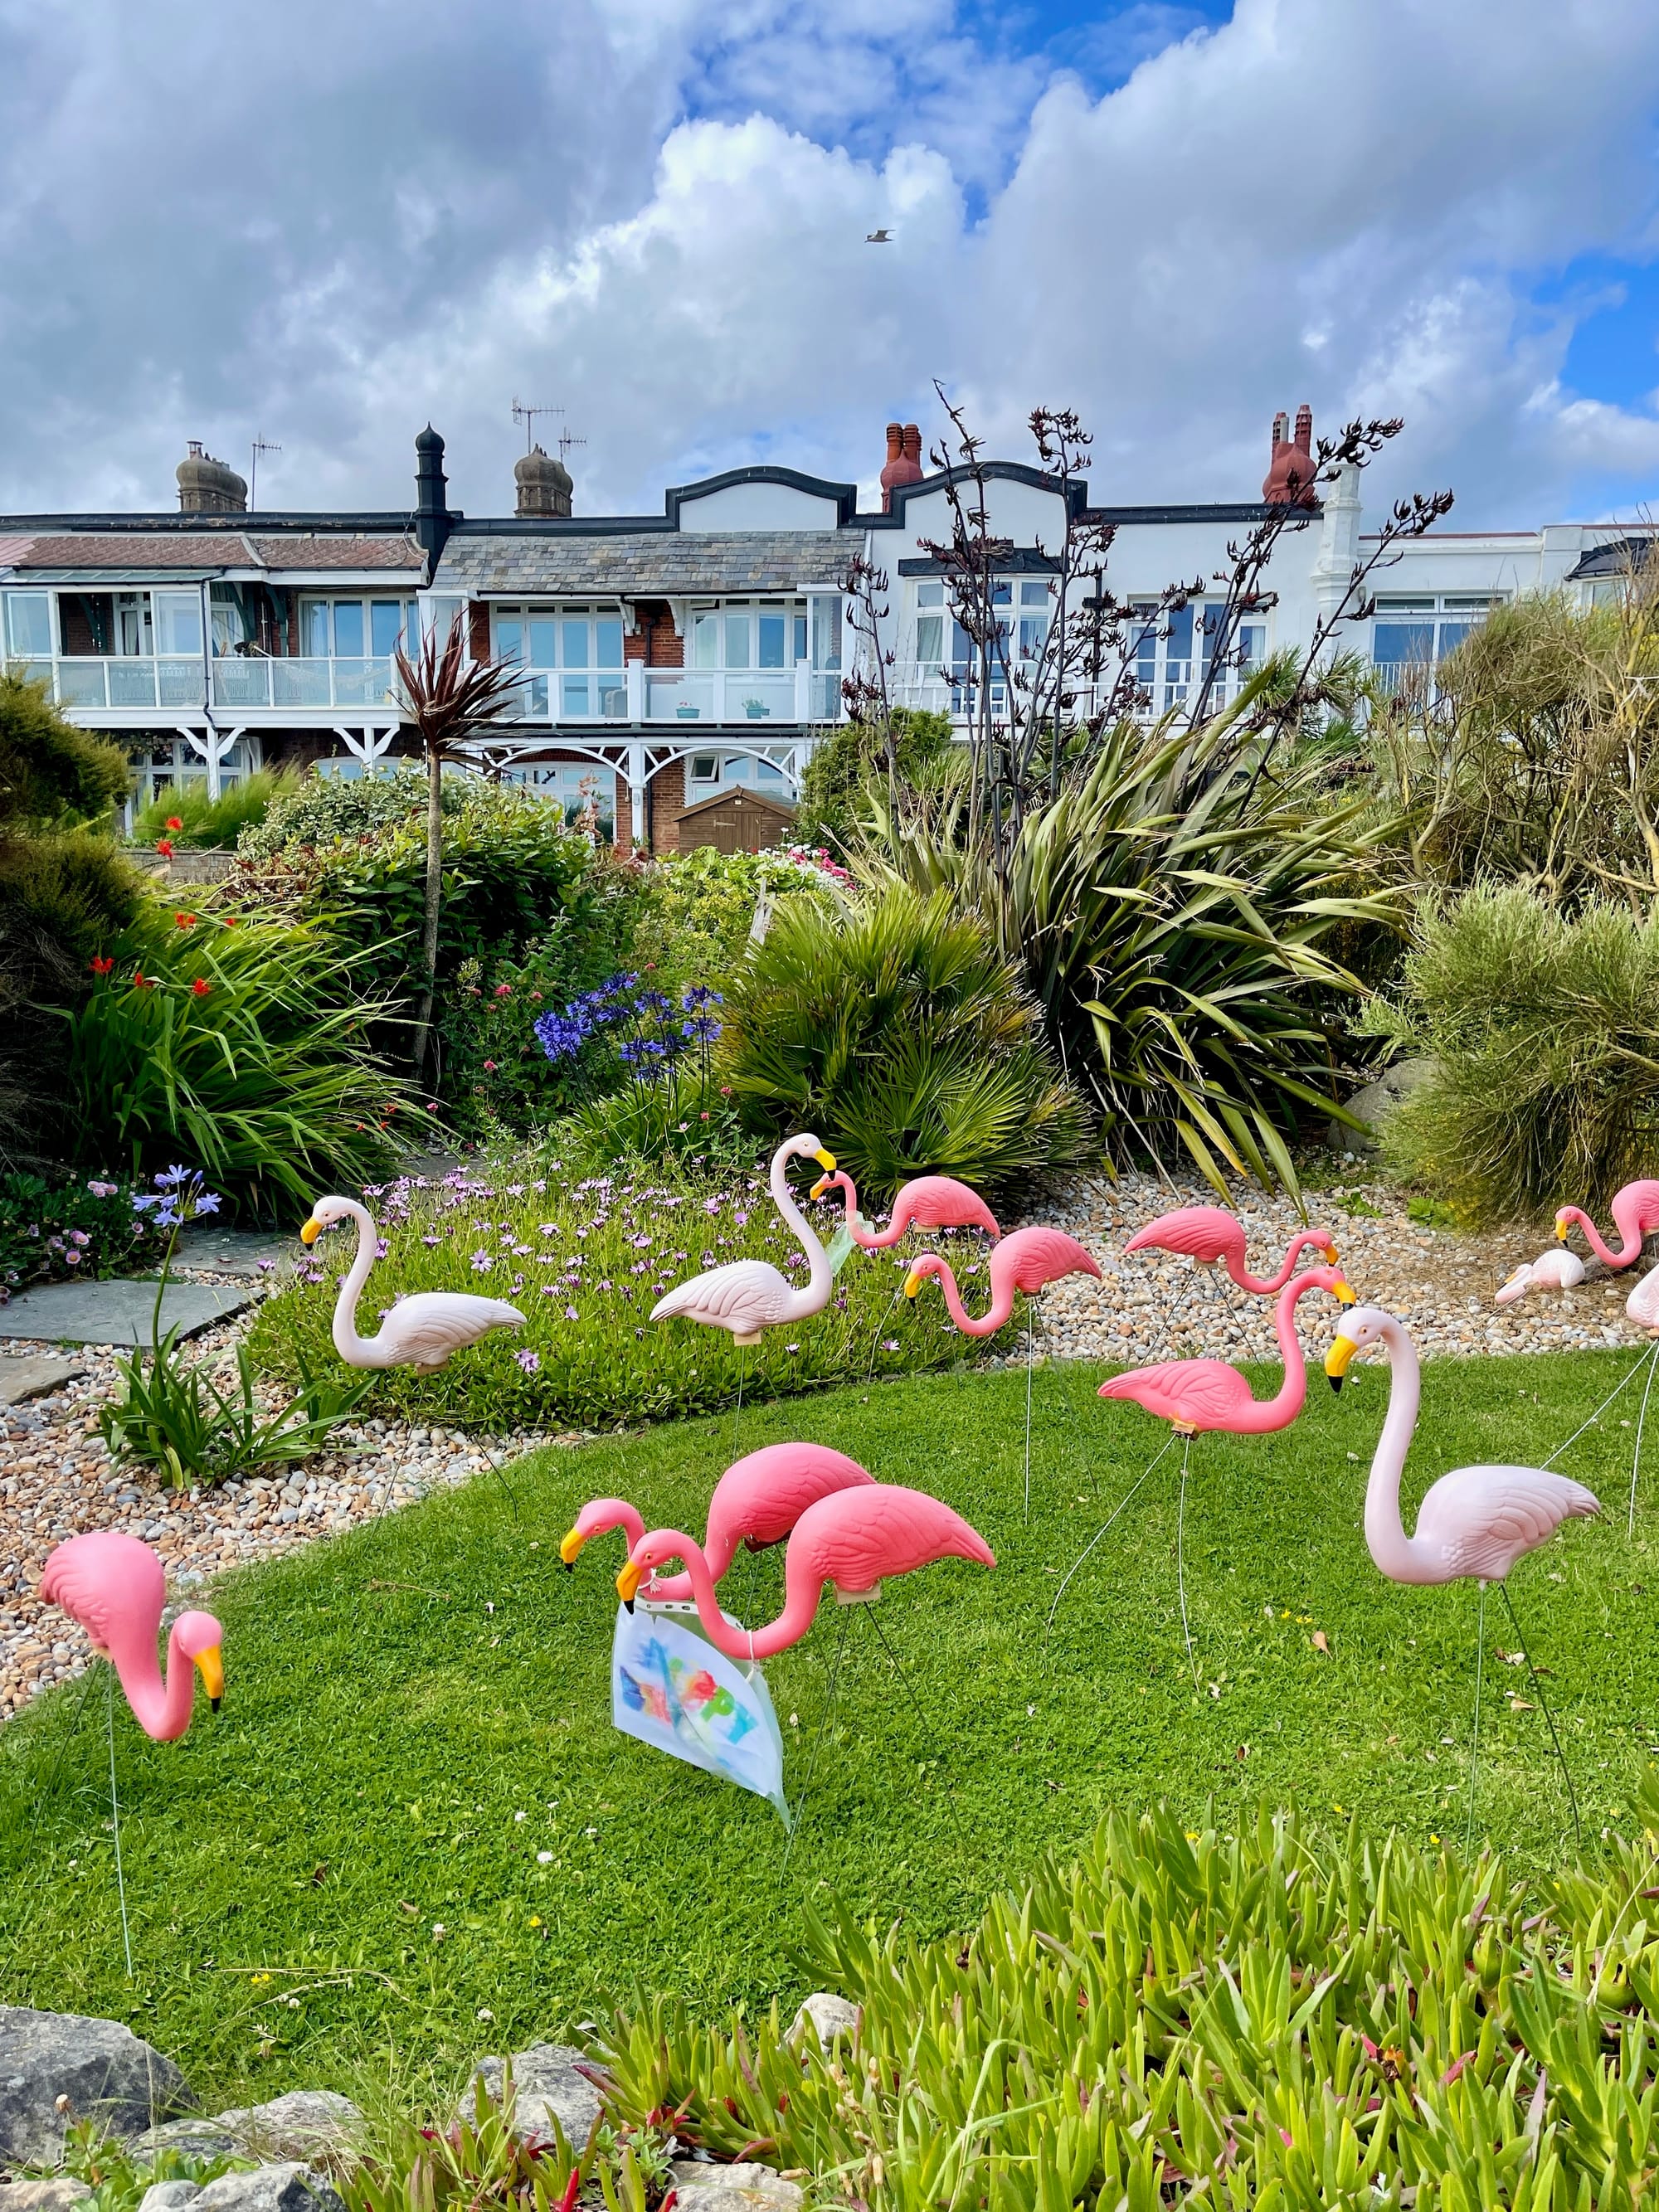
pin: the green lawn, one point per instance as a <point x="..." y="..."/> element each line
<point x="394" y="1698"/>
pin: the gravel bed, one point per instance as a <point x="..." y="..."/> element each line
<point x="56" y="1476"/>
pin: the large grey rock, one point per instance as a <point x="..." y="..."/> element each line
<point x="827" y="2016"/>
<point x="287" y="2187"/>
<point x="304" y="2124"/>
<point x="117" y="1312"/>
<point x="1373" y="1102"/>
<point x="734" y="2189"/>
<point x="546" y="2087"/>
<point x="102" y="2069"/>
<point x="169" y="2195"/>
<point x="63" y="2193"/>
<point x="32" y="1377"/>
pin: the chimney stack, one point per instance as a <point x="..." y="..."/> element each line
<point x="432" y="517"/>
<point x="544" y="485"/>
<point x="207" y="486"/>
<point x="903" y="461"/>
<point x="1293" y="473"/>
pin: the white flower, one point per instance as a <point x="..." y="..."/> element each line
<point x="523" y="1816"/>
<point x="439" y="1930"/>
<point x="484" y="2013"/>
<point x="544" y="1858"/>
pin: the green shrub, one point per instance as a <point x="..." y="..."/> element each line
<point x="897" y="1031"/>
<point x="1276" y="2017"/>
<point x="239" y="1045"/>
<point x="1170" y="913"/>
<point x="910" y="743"/>
<point x="1541" y="1030"/>
<point x="586" y="1258"/>
<point x="322" y="810"/>
<point x="51" y="772"/>
<point x="55" y="1229"/>
<point x="496" y="1075"/>
<point x="212" y="821"/>
<point x="696" y="910"/>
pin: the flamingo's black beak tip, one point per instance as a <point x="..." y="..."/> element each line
<point x="215" y="1703"/>
<point x="569" y="1566"/>
<point x="1335" y="1382"/>
<point x="628" y="1602"/>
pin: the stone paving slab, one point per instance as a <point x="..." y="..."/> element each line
<point x="32" y="1377"/>
<point x="116" y="1312"/>
<point x="241" y="1255"/>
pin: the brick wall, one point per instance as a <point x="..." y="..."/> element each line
<point x="656" y="641"/>
<point x="75" y="623"/>
<point x="667" y="789"/>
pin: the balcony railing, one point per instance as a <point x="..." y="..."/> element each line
<point x="240" y="683"/>
<point x="90" y="684"/>
<point x="939" y="692"/>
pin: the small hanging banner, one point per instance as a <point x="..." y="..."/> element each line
<point x="841" y="1247"/>
<point x="674" y="1690"/>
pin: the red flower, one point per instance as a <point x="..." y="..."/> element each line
<point x="175" y="822"/>
<point x="503" y="990"/>
<point x="200" y="988"/>
<point x="143" y="981"/>
<point x="184" y="921"/>
<point x="102" y="966"/>
<point x="164" y="847"/>
<point x="228" y="920"/>
<point x="489" y="1068"/>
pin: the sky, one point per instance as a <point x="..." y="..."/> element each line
<point x="328" y="222"/>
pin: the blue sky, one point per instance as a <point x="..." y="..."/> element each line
<point x="1176" y="218"/>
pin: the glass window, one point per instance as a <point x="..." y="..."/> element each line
<point x="706" y="640"/>
<point x="773" y="630"/>
<point x="179" y="622"/>
<point x="1452" y="634"/>
<point x="1403" y="644"/>
<point x="574" y="644"/>
<point x="541" y="633"/>
<point x="28" y="624"/>
<point x="736" y="641"/>
<point x="349" y="628"/>
<point x="1251" y="646"/>
<point x="1002" y="591"/>
<point x="608" y="641"/>
<point x="930" y="638"/>
<point x="313" y="629"/>
<point x="930" y="595"/>
<point x="826" y="631"/>
<point x="439" y="614"/>
<point x="385" y="626"/>
<point x="800" y="637"/>
<point x="705" y="766"/>
<point x="577" y="693"/>
<point x="1034" y="594"/>
<point x="509" y="640"/>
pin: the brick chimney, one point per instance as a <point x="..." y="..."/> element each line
<point x="1292" y="472"/>
<point x="207" y="486"/>
<point x="903" y="461"/>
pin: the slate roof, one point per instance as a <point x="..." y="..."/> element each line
<point x="307" y="551"/>
<point x="1622" y="556"/>
<point x="644" y="563"/>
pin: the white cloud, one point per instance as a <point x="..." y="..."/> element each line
<point x="654" y="212"/>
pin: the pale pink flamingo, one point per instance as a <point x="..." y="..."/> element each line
<point x="1473" y="1524"/>
<point x="1026" y="1260"/>
<point x="926" y="1202"/>
<point x="115" y="1587"/>
<point x="853" y="1539"/>
<point x="1635" y="1211"/>
<point x="756" y="1503"/>
<point x="748" y="1296"/>
<point x="1209" y="1233"/>
<point x="1557" y="1269"/>
<point x="419" y="1331"/>
<point x="1195" y="1396"/>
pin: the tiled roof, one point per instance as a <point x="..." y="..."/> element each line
<point x="1621" y="556"/>
<point x="337" y="550"/>
<point x="644" y="563"/>
<point x="11" y="549"/>
<point x="109" y="550"/>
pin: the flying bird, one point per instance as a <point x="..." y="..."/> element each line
<point x="879" y="238"/>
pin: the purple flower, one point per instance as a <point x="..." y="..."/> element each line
<point x="80" y="1238"/>
<point x="483" y="1262"/>
<point x="889" y="1344"/>
<point x="429" y="1242"/>
<point x="71" y="1259"/>
<point x="101" y="1190"/>
<point x="530" y="1361"/>
<point x="570" y="1313"/>
<point x="711" y="1206"/>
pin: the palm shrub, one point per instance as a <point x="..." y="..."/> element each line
<point x="242" y="1045"/>
<point x="1540" y="1027"/>
<point x="898" y="1032"/>
<point x="1172" y="912"/>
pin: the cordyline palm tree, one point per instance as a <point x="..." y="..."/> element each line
<point x="449" y="699"/>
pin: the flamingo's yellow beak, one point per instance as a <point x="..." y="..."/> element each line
<point x="820" y="1186"/>
<point x="570" y="1548"/>
<point x="1337" y="1360"/>
<point x="912" y="1282"/>
<point x="311" y="1231"/>
<point x="1332" y="1257"/>
<point x="1561" y="1228"/>
<point x="212" y="1665"/>
<point x="825" y="1160"/>
<point x="628" y="1583"/>
<point x="1344" y="1294"/>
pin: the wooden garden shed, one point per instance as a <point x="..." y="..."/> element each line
<point x="735" y="821"/>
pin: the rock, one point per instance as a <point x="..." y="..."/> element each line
<point x="1373" y="1101"/>
<point x="189" y="2138"/>
<point x="288" y="2187"/>
<point x="546" y="2087"/>
<point x="102" y="2069"/>
<point x="63" y="2193"/>
<point x="828" y="2015"/>
<point x="734" y="2189"/>
<point x="118" y="1311"/>
<point x="298" y="2125"/>
<point x="169" y="2195"/>
<point x="21" y="1379"/>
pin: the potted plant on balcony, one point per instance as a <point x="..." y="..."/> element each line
<point x="685" y="712"/>
<point x="756" y="710"/>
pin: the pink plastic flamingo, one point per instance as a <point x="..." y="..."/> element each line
<point x="928" y="1202"/>
<point x="115" y="1588"/>
<point x="1635" y="1211"/>
<point x="756" y="1503"/>
<point x="852" y="1538"/>
<point x="1473" y="1524"/>
<point x="1557" y="1269"/>
<point x="1195" y="1395"/>
<point x="1026" y="1260"/>
<point x="748" y="1296"/>
<point x="1210" y="1233"/>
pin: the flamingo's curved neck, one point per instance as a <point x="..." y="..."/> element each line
<point x="821" y="1277"/>
<point x="1393" y="1552"/>
<point x="1265" y="1287"/>
<point x="801" y="1593"/>
<point x="162" y="1708"/>
<point x="1604" y="1252"/>
<point x="350" y="1346"/>
<point x="1001" y="1305"/>
<point x="868" y="1239"/>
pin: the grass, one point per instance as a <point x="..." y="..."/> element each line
<point x="395" y="1697"/>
